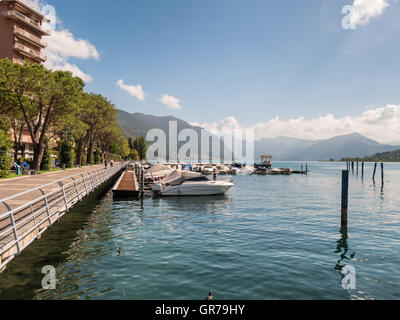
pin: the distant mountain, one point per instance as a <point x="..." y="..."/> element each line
<point x="352" y="145"/>
<point x="281" y="147"/>
<point x="138" y="124"/>
<point x="393" y="156"/>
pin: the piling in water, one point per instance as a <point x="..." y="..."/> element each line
<point x="373" y="176"/>
<point x="362" y="169"/>
<point x="345" y="196"/>
<point x="382" y="177"/>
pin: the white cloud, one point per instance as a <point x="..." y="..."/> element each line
<point x="171" y="102"/>
<point x="65" y="66"/>
<point x="136" y="91"/>
<point x="224" y="126"/>
<point x="62" y="45"/>
<point x="35" y="4"/>
<point x="380" y="124"/>
<point x="364" y="10"/>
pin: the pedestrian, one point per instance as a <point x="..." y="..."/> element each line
<point x="112" y="163"/>
<point x="106" y="163"/>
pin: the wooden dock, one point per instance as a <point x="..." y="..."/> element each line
<point x="126" y="186"/>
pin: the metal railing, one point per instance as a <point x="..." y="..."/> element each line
<point x="21" y="225"/>
<point x="29" y="51"/>
<point x="27" y="20"/>
<point x="30" y="36"/>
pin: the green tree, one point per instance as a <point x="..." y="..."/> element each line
<point x="134" y="155"/>
<point x="66" y="153"/>
<point x="45" y="164"/>
<point x="5" y="145"/>
<point x="141" y="147"/>
<point x="44" y="98"/>
<point x="97" y="156"/>
<point x="130" y="142"/>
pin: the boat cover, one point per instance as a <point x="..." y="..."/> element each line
<point x="178" y="177"/>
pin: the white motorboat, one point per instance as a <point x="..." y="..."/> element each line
<point x="190" y="184"/>
<point x="156" y="173"/>
<point x="207" y="169"/>
<point x="246" y="171"/>
<point x="222" y="170"/>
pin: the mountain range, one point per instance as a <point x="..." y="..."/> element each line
<point x="281" y="148"/>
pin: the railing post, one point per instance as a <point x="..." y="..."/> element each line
<point x="84" y="183"/>
<point x="15" y="233"/>
<point x="65" y="198"/>
<point x="34" y="220"/>
<point x="48" y="210"/>
<point x="76" y="190"/>
<point x="47" y="206"/>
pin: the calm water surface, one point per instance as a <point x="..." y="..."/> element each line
<point x="270" y="237"/>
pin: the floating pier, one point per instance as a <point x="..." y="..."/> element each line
<point x="126" y="186"/>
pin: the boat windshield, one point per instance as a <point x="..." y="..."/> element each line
<point x="196" y="179"/>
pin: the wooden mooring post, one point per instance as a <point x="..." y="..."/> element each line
<point x="345" y="196"/>
<point x="382" y="176"/>
<point x="142" y="180"/>
<point x="373" y="176"/>
<point x="352" y="166"/>
<point x="362" y="170"/>
<point x="357" y="167"/>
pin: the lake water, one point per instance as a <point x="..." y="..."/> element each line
<point x="270" y="237"/>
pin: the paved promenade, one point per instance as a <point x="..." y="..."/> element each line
<point x="24" y="217"/>
<point x="13" y="186"/>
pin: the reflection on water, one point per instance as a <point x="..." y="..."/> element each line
<point x="270" y="237"/>
<point x="343" y="249"/>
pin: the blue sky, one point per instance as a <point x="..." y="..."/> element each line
<point x="248" y="60"/>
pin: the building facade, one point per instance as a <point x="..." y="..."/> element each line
<point x="21" y="39"/>
<point x="21" y="32"/>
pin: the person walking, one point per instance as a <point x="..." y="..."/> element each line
<point x="106" y="163"/>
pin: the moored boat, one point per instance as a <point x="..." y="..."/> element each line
<point x="190" y="184"/>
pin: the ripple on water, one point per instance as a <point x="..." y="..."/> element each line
<point x="269" y="238"/>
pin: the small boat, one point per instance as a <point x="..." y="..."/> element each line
<point x="261" y="170"/>
<point x="207" y="169"/>
<point x="156" y="173"/>
<point x="221" y="169"/>
<point x="246" y="171"/>
<point x="286" y="171"/>
<point x="274" y="171"/>
<point x="190" y="184"/>
<point x="187" y="167"/>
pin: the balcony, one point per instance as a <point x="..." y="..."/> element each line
<point x="29" y="52"/>
<point x="13" y="14"/>
<point x="29" y="37"/>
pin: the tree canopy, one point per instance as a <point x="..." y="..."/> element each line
<point x="53" y="103"/>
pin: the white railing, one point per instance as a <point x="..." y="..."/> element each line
<point x="19" y="227"/>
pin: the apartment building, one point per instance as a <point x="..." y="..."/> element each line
<point x="21" y="39"/>
<point x="21" y="32"/>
